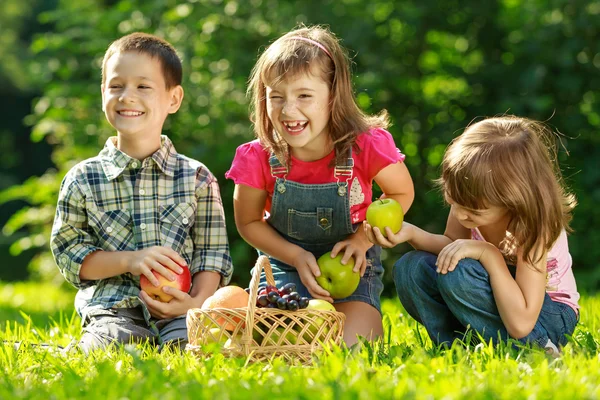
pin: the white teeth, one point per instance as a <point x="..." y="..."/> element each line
<point x="295" y="126"/>
<point x="130" y="113"/>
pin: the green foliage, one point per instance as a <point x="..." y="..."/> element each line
<point x="403" y="365"/>
<point x="434" y="65"/>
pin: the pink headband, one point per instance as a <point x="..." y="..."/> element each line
<point x="313" y="42"/>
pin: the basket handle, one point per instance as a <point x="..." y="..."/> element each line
<point x="262" y="263"/>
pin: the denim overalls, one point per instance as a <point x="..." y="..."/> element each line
<point x="316" y="217"/>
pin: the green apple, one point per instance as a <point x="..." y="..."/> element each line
<point x="320" y="305"/>
<point x="275" y="338"/>
<point x="215" y="335"/>
<point x="385" y="212"/>
<point x="338" y="279"/>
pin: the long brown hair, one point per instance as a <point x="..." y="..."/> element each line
<point x="286" y="58"/>
<point x="511" y="162"/>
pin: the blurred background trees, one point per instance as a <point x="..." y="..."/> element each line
<point x="434" y="65"/>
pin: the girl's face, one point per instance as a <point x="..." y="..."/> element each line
<point x="298" y="108"/>
<point x="488" y="217"/>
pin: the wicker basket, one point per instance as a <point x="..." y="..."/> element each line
<point x="262" y="333"/>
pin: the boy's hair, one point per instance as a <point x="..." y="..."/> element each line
<point x="152" y="46"/>
<point x="510" y="162"/>
<point x="295" y="53"/>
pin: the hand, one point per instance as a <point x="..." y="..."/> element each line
<point x="163" y="260"/>
<point x="375" y="236"/>
<point x="178" y="305"/>
<point x="459" y="249"/>
<point x="355" y="246"/>
<point x="307" y="267"/>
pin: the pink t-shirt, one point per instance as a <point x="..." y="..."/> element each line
<point x="251" y="167"/>
<point x="560" y="282"/>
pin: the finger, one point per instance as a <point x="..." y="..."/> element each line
<point x="168" y="262"/>
<point x="176" y="293"/>
<point x="381" y="240"/>
<point x="337" y="248"/>
<point x="314" y="268"/>
<point x="447" y="260"/>
<point x="347" y="254"/>
<point x="363" y="268"/>
<point x="173" y="255"/>
<point x="314" y="288"/>
<point x="147" y="272"/>
<point x="318" y="296"/>
<point x="359" y="260"/>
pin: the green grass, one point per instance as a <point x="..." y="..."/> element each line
<point x="405" y="365"/>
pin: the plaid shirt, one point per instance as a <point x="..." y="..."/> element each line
<point x="113" y="202"/>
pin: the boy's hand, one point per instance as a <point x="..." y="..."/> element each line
<point x="177" y="306"/>
<point x="390" y="240"/>
<point x="355" y="246"/>
<point x="163" y="260"/>
<point x="307" y="267"/>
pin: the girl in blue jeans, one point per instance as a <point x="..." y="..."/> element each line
<point x="303" y="187"/>
<point x="502" y="266"/>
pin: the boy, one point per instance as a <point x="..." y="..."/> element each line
<point x="139" y="206"/>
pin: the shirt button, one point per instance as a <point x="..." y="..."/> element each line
<point x="142" y="226"/>
<point x="109" y="229"/>
<point x="185" y="220"/>
<point x="134" y="165"/>
<point x="142" y="192"/>
<point x="323" y="221"/>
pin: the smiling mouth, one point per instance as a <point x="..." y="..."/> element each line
<point x="294" y="127"/>
<point x="130" y="113"/>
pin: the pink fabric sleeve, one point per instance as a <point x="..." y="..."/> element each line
<point x="248" y="165"/>
<point x="380" y="150"/>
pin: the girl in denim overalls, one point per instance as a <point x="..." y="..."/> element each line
<point x="502" y="266"/>
<point x="303" y="187"/>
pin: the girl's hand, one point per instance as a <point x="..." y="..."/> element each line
<point x="178" y="305"/>
<point x="163" y="260"/>
<point x="307" y="267"/>
<point x="390" y="240"/>
<point x="459" y="249"/>
<point x="355" y="246"/>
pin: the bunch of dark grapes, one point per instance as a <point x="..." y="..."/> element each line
<point x="284" y="298"/>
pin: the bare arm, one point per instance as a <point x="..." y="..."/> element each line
<point x="519" y="300"/>
<point x="396" y="183"/>
<point x="248" y="205"/>
<point x="106" y="264"/>
<point x="205" y="283"/>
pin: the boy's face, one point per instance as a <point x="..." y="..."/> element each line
<point x="135" y="98"/>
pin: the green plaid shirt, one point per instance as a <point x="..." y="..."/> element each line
<point x="114" y="202"/>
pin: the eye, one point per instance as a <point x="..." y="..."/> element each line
<point x="305" y="96"/>
<point x="144" y="87"/>
<point x="114" y="86"/>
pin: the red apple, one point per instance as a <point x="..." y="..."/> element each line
<point x="182" y="282"/>
<point x="385" y="212"/>
<point x="338" y="279"/>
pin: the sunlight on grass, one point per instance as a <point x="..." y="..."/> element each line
<point x="404" y="365"/>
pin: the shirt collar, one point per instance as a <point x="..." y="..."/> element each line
<point x="114" y="161"/>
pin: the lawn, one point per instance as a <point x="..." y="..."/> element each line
<point x="405" y="365"/>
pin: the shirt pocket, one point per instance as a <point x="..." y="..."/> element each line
<point x="176" y="221"/>
<point x="310" y="227"/>
<point x="113" y="228"/>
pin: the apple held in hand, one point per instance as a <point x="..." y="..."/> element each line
<point x="338" y="279"/>
<point x="385" y="212"/>
<point x="182" y="282"/>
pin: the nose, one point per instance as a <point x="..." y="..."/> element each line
<point x="288" y="107"/>
<point x="126" y="95"/>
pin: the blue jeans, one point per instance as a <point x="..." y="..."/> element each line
<point x="447" y="303"/>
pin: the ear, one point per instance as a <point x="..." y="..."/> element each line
<point x="176" y="94"/>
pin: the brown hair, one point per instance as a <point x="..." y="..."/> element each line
<point x="288" y="57"/>
<point x="152" y="46"/>
<point x="511" y="162"/>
